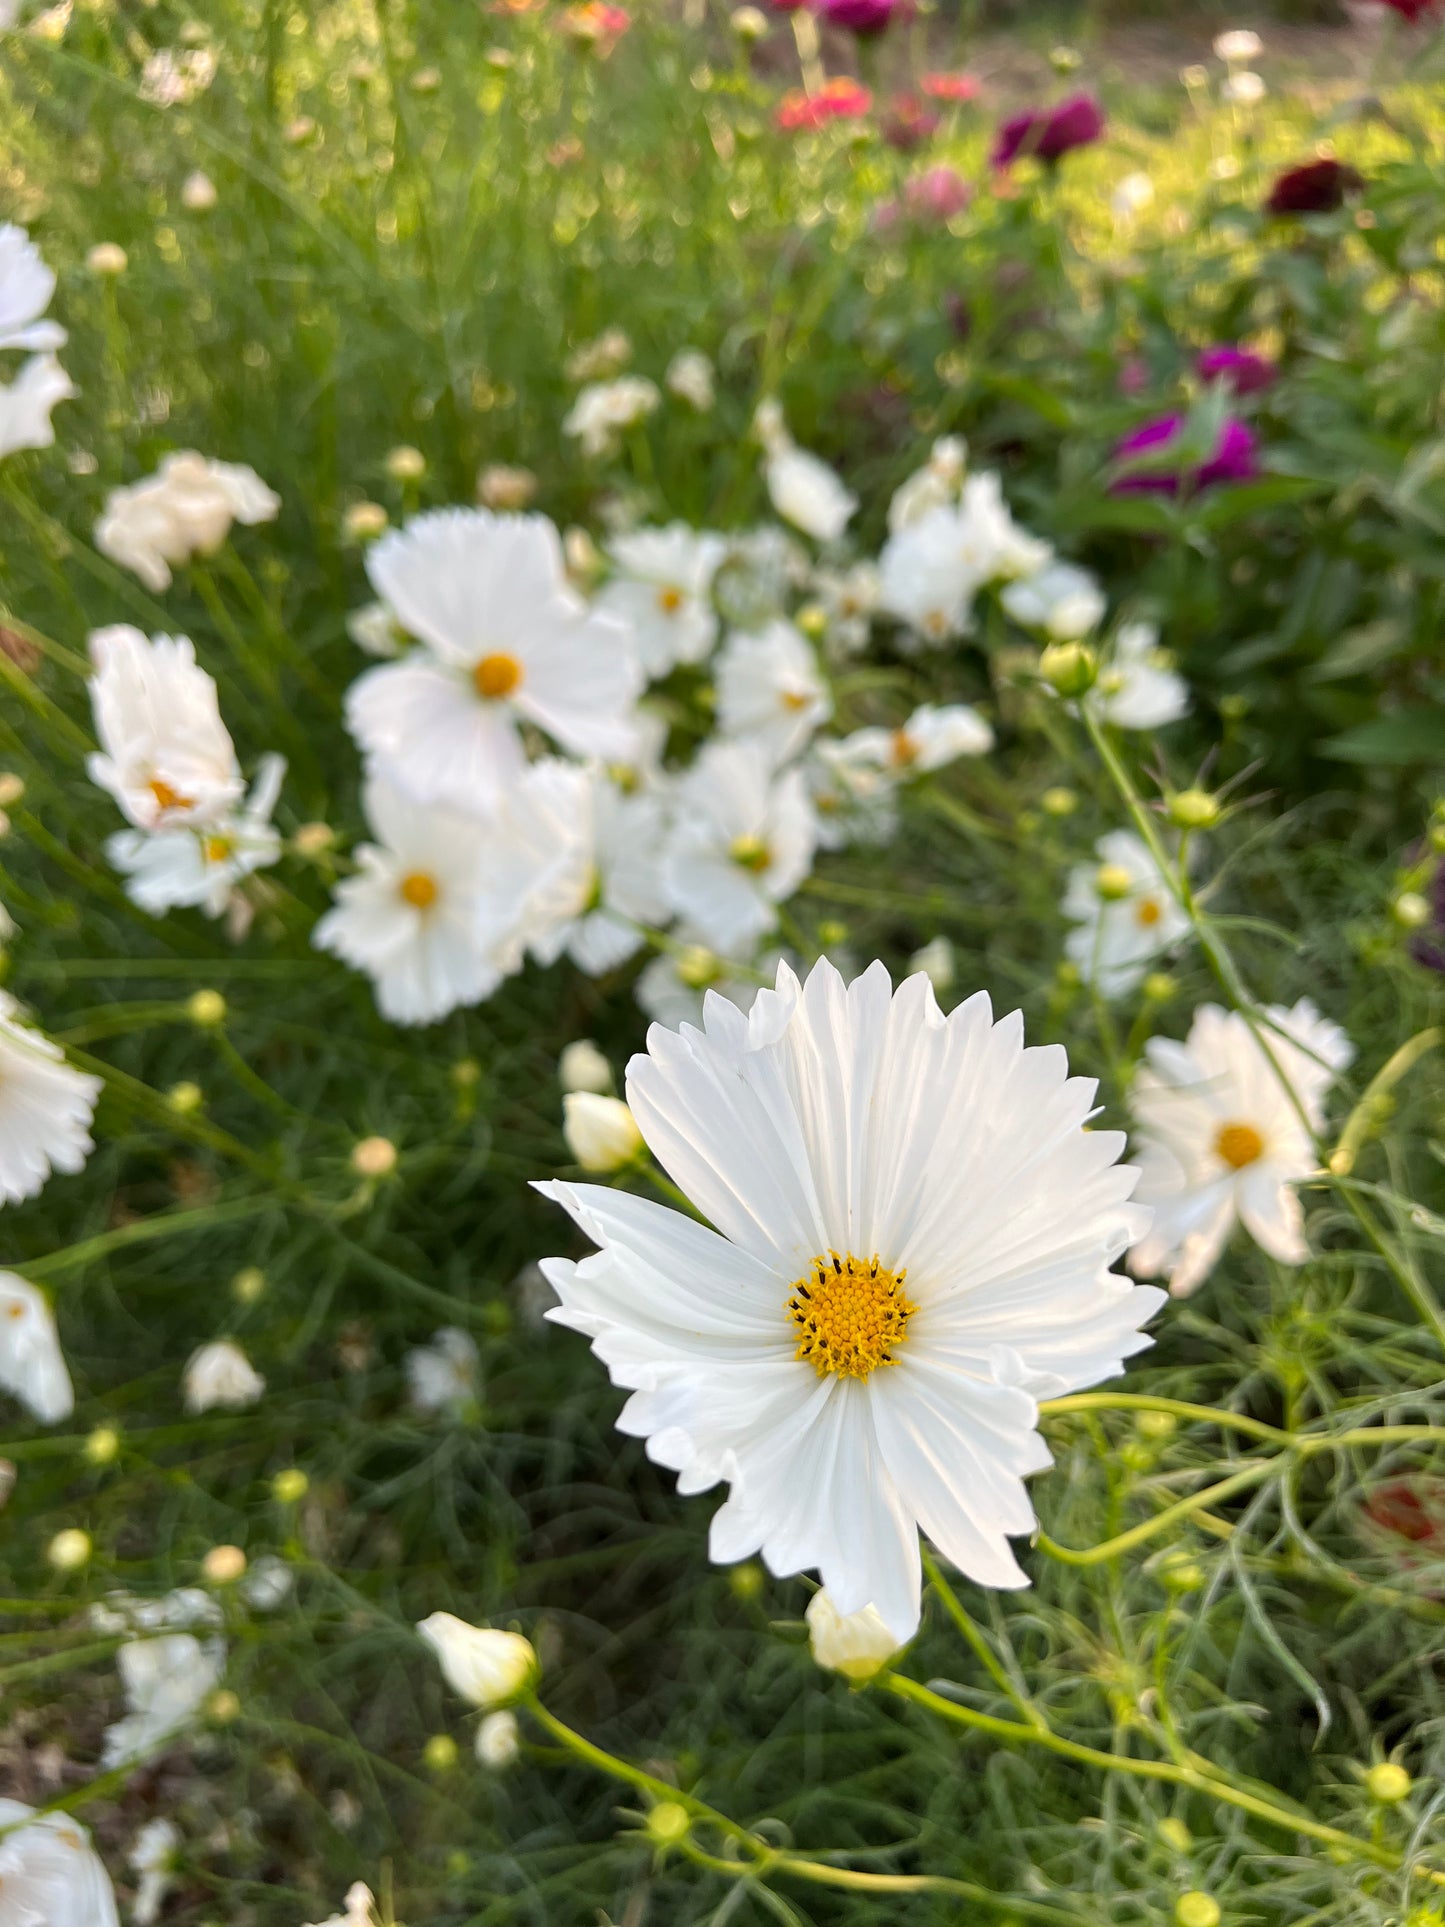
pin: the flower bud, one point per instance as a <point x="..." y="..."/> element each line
<point x="207" y="1009"/>
<point x="1410" y="910"/>
<point x="582" y="1067"/>
<point x="749" y="23"/>
<point x="1387" y="1783"/>
<point x="103" y="1445"/>
<point x="406" y="464"/>
<point x="373" y="1157"/>
<point x="669" y="1823"/>
<point x="1157" y="1425"/>
<point x="248" y="1285"/>
<point x="1113" y="882"/>
<point x="313" y="840"/>
<point x="291" y="1486"/>
<point x="107" y="257"/>
<point x="12" y="789"/>
<point x="1180" y="1573"/>
<point x="498" y="1740"/>
<point x="1069" y="667"/>
<point x="698" y="967"/>
<point x="812" y="619"/>
<point x="185" y="1098"/>
<point x="486" y="1667"/>
<point x="1196" y="1909"/>
<point x="223" y="1706"/>
<point x="1159" y="986"/>
<point x="440" y="1753"/>
<point x="68" y="1551"/>
<point x="223" y="1565"/>
<point x="363" y="521"/>
<point x="198" y="192"/>
<point x="1193" y="810"/>
<point x="747" y="1581"/>
<point x="936" y="961"/>
<point x="601" y="1132"/>
<point x="1175" y="1834"/>
<point x="857" y="1645"/>
<point x="1059" y="802"/>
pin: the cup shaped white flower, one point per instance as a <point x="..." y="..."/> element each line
<point x="505" y="641"/>
<point x="857" y="1645"/>
<point x="662" y="592"/>
<point x="498" y="1740"/>
<point x="32" y="1365"/>
<point x="46" y="1107"/>
<point x="27" y="401"/>
<point x="485" y="1666"/>
<point x="914" y="1240"/>
<point x="1138" y="687"/>
<point x="582" y="1066"/>
<point x="220" y="1375"/>
<point x="801" y="486"/>
<point x="165" y="1678"/>
<point x="770" y="691"/>
<point x="1124" y="914"/>
<point x="50" y="1873"/>
<point x="27" y="287"/>
<point x="165" y="755"/>
<point x="360" y="1905"/>
<point x="936" y="485"/>
<point x="1226" y="1126"/>
<point x="928" y="578"/>
<point x="443" y="1376"/>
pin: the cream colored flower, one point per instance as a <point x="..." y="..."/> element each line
<point x="857" y="1645"/>
<point x="485" y="1666"/>
<point x="601" y="1132"/>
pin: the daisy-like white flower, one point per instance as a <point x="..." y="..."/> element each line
<point x="27" y="287"/>
<point x="926" y="579"/>
<point x="45" y="1108"/>
<point x="414" y="916"/>
<point x="32" y="1365"/>
<point x="374" y="632"/>
<point x="848" y="599"/>
<point x="50" y="1873"/>
<point x="1061" y="601"/>
<point x="914" y="1235"/>
<point x="600" y="359"/>
<point x="801" y="486"/>
<point x="220" y="1377"/>
<point x="165" y="756"/>
<point x="606" y="409"/>
<point x="1138" y="687"/>
<point x="691" y="377"/>
<point x="936" y="485"/>
<point x="993" y="543"/>
<point x="165" y="1678"/>
<point x="929" y="739"/>
<point x="662" y="593"/>
<point x="360" y="1909"/>
<point x="670" y="989"/>
<point x="506" y="641"/>
<point x="185" y="509"/>
<point x="153" y="1857"/>
<point x="190" y="867"/>
<point x="742" y="841"/>
<point x="27" y="401"/>
<point x="443" y="1376"/>
<point x="1124" y="913"/>
<point x="1226" y="1127"/>
<point x="770" y="691"/>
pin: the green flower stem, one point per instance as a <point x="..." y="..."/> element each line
<point x="1150" y="1528"/>
<point x="164" y="1224"/>
<point x="1178" y="1407"/>
<point x="957" y="1612"/>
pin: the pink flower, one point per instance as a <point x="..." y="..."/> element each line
<point x="1047" y="133"/>
<point x="1235" y="458"/>
<point x="1245" y="372"/>
<point x="1133" y="375"/>
<point x="866" y="18"/>
<point x="950" y="86"/>
<point x="937" y="195"/>
<point x="837" y="99"/>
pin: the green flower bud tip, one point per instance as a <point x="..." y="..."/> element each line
<point x="1196" y="1909"/>
<point x="1193" y="810"/>
<point x="1387" y="1783"/>
<point x="669" y="1823"/>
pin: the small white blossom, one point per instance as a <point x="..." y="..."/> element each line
<point x="27" y="401"/>
<point x="185" y="509"/>
<point x="1124" y="914"/>
<point x="1238" y="45"/>
<point x="498" y="1740"/>
<point x="742" y="841"/>
<point x="32" y="1365"/>
<point x="220" y="1375"/>
<point x="166" y="756"/>
<point x="1063" y="602"/>
<point x="936" y="485"/>
<point x="605" y="409"/>
<point x="690" y="377"/>
<point x="662" y="592"/>
<point x="166" y="1679"/>
<point x="771" y="692"/>
<point x="202" y="868"/>
<point x="443" y="1376"/>
<point x="1138" y="686"/>
<point x="152" y="1856"/>
<point x="596" y="360"/>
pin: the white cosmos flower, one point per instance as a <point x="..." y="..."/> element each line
<point x="1225" y="1134"/>
<point x="506" y="641"/>
<point x="1124" y="914"/>
<point x="1062" y="601"/>
<point x="807" y="493"/>
<point x="32" y="1365"/>
<point x="770" y="691"/>
<point x="152" y="1856"/>
<point x="27" y="287"/>
<point x="931" y="737"/>
<point x="662" y="593"/>
<point x="742" y="841"/>
<point x="201" y="868"/>
<point x="360" y="1906"/>
<point x="185" y="509"/>
<point x="485" y="1666"/>
<point x="1238" y="44"/>
<point x="935" y="485"/>
<point x="671" y="987"/>
<point x="992" y="543"/>
<point x="220" y="1376"/>
<point x="690" y="376"/>
<point x="165" y="756"/>
<point x="50" y="1875"/>
<point x="914" y="1234"/>
<point x="856" y="1645"/>
<point x="46" y="1108"/>
<point x="165" y="1678"/>
<point x="604" y="409"/>
<point x="926" y="578"/>
<point x="27" y="401"/>
<point x="848" y="598"/>
<point x="583" y="863"/>
<point x="417" y="916"/>
<point x="1139" y="688"/>
<point x="443" y="1376"/>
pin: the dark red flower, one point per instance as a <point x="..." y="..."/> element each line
<point x="1235" y="458"/>
<point x="866" y="18"/>
<point x="1315" y="187"/>
<point x="1245" y="372"/>
<point x="910" y="122"/>
<point x="1411" y="10"/>
<point x="1047" y="133"/>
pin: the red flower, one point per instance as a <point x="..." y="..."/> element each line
<point x="1316" y="187"/>
<point x="950" y="86"/>
<point x="1411" y="10"/>
<point x="837" y="99"/>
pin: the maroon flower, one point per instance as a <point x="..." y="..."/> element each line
<point x="910" y="122"/>
<point x="1235" y="458"/>
<point x="866" y="18"/>
<point x="1047" y="133"/>
<point x="1316" y="187"/>
<point x="1243" y="371"/>
<point x="1411" y="10"/>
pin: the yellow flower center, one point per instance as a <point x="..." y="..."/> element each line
<point x="166" y="797"/>
<point x="669" y="600"/>
<point x="1238" y="1145"/>
<point x="902" y="750"/>
<point x="215" y="849"/>
<point x="14" y="1310"/>
<point x="1147" y="912"/>
<point x="851" y="1314"/>
<point x="419" y="890"/>
<point x="497" y="676"/>
<point x="750" y="853"/>
<point x="795" y="700"/>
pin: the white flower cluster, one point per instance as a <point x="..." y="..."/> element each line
<point x="27" y="398"/>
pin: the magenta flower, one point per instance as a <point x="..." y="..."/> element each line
<point x="1245" y="372"/>
<point x="1047" y="133"/>
<point x="866" y="18"/>
<point x="1235" y="458"/>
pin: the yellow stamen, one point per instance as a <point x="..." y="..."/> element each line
<point x="795" y="700"/>
<point x="497" y="676"/>
<point x="215" y="849"/>
<point x="419" y="890"/>
<point x="1147" y="912"/>
<point x="669" y="601"/>
<point x="166" y="797"/>
<point x="851" y="1314"/>
<point x="902" y="750"/>
<point x="750" y="853"/>
<point x="1238" y="1144"/>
